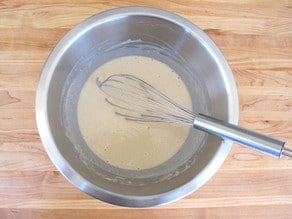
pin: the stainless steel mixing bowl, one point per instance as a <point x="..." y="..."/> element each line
<point x="134" y="31"/>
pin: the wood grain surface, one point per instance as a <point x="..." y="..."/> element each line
<point x="256" y="38"/>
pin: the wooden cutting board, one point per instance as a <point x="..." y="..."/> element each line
<point x="255" y="37"/>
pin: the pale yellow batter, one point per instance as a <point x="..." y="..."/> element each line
<point x="128" y="144"/>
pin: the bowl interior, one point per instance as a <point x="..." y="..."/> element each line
<point x="175" y="42"/>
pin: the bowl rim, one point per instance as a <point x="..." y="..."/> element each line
<point x="41" y="109"/>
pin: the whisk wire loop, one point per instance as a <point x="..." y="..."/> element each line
<point x="150" y="105"/>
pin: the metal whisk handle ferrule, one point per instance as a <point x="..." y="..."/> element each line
<point x="227" y="131"/>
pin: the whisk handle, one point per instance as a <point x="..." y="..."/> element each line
<point x="227" y="131"/>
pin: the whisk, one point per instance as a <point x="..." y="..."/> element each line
<point x="137" y="100"/>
